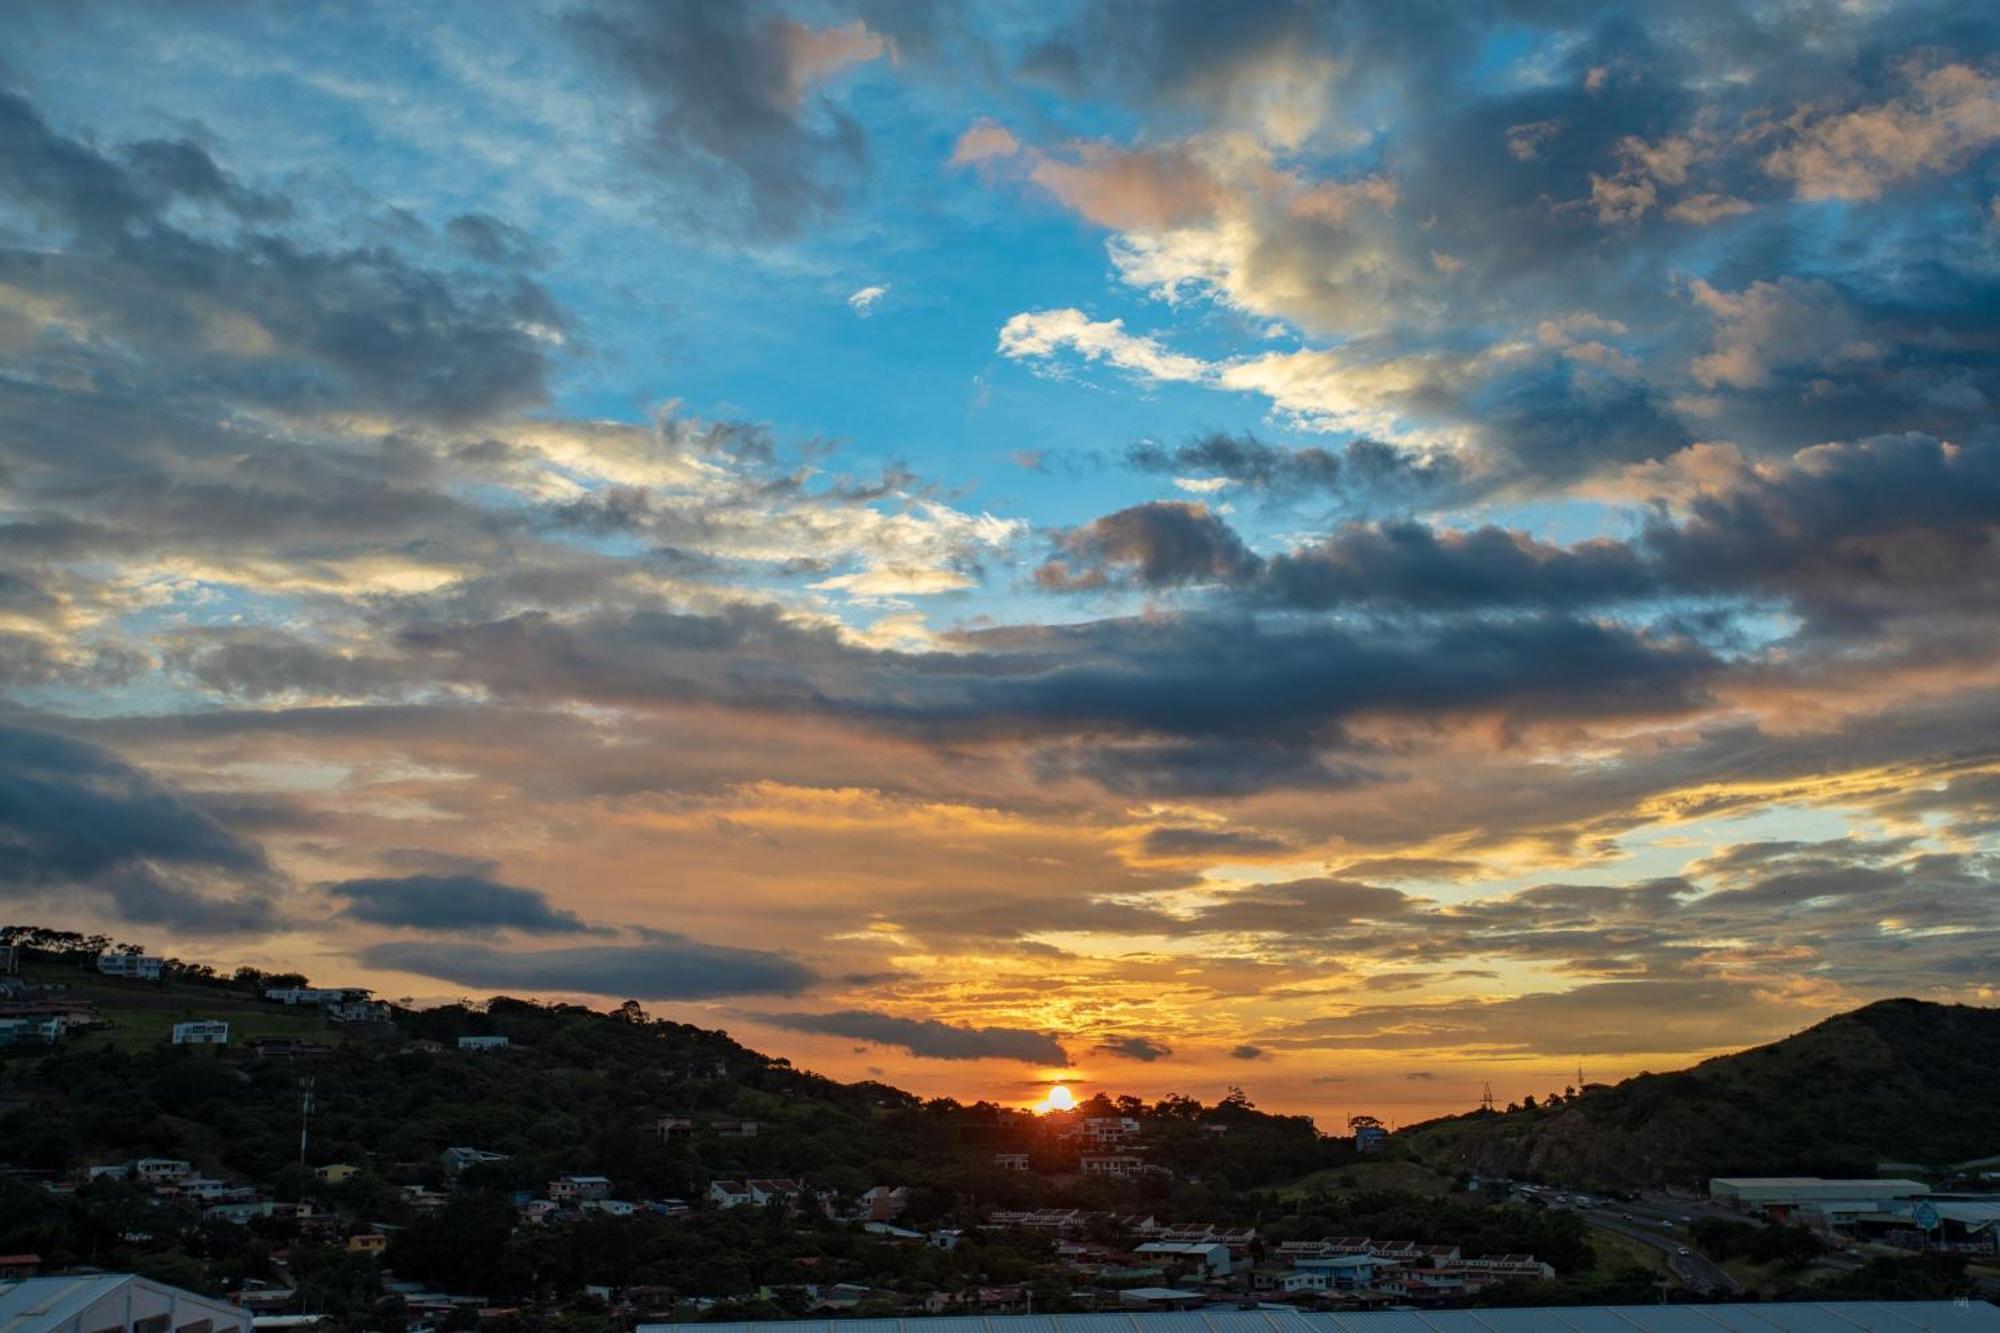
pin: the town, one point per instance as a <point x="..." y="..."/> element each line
<point x="320" y="1155"/>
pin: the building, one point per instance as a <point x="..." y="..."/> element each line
<point x="288" y="1048"/>
<point x="669" y="1125"/>
<point x="202" y="1032"/>
<point x="884" y="1203"/>
<point x="570" y="1190"/>
<point x="1210" y="1258"/>
<point x="1765" y="1317"/>
<point x="314" y="995"/>
<point x="337" y="1173"/>
<point x="135" y="965"/>
<point x="1108" y="1130"/>
<point x="736" y="1129"/>
<point x="14" y="1267"/>
<point x="367" y="1242"/>
<point x="1111" y="1164"/>
<point x="458" y="1159"/>
<point x="25" y="1031"/>
<point x="482" y="1043"/>
<point x="1778" y="1197"/>
<point x="113" y="1303"/>
<point x="753" y="1193"/>
<point x="1370" y="1140"/>
<point x="359" y="1011"/>
<point x="161" y="1170"/>
<point x="1011" y="1161"/>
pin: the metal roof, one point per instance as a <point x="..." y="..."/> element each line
<point x="1775" y="1317"/>
<point x="37" y="1303"/>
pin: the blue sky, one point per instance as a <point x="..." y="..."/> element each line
<point x="1341" y="531"/>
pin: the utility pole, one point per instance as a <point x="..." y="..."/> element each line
<point x="305" y="1115"/>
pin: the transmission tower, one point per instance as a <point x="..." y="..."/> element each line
<point x="1486" y="1098"/>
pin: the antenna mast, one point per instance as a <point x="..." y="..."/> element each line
<point x="1486" y="1098"/>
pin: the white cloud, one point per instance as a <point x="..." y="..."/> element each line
<point x="863" y="302"/>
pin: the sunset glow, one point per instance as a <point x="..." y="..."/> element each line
<point x="1352" y="552"/>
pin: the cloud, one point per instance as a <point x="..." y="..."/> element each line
<point x="737" y="128"/>
<point x="75" y="819"/>
<point x="863" y="301"/>
<point x="1143" y="1049"/>
<point x="665" y="967"/>
<point x="453" y="902"/>
<point x="1164" y="543"/>
<point x="1946" y="115"/>
<point x="984" y="141"/>
<point x="928" y="1037"/>
<point x="1040" y="335"/>
<point x="1208" y="843"/>
<point x="1247" y="1052"/>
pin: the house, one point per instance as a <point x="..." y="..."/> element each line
<point x="1011" y="1161"/>
<point x="1210" y="1259"/>
<point x="739" y="1193"/>
<point x="160" y="1170"/>
<point x="945" y="1239"/>
<point x="1111" y="1164"/>
<point x="1161" y="1298"/>
<point x="135" y="965"/>
<point x="669" y="1125"/>
<point x="316" y="995"/>
<point x="109" y="1171"/>
<point x="23" y="1031"/>
<point x="736" y="1129"/>
<point x="1345" y="1272"/>
<point x="14" y="1267"/>
<point x="288" y="1048"/>
<point x="891" y="1231"/>
<point x="884" y="1202"/>
<point x="359" y="1011"/>
<point x="202" y="1032"/>
<point x="113" y="1303"/>
<point x="609" y="1207"/>
<point x="458" y="1159"/>
<point x="482" y="1043"/>
<point x="1370" y="1140"/>
<point x="367" y="1242"/>
<point x="1304" y="1279"/>
<point x="338" y="1173"/>
<point x="536" y="1210"/>
<point x="1106" y="1130"/>
<point x="570" y="1190"/>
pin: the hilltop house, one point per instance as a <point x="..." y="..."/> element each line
<point x="160" y="1170"/>
<point x="742" y="1193"/>
<point x="482" y="1043"/>
<point x="575" y="1189"/>
<point x="202" y="1032"/>
<point x="457" y="1159"/>
<point x="135" y="965"/>
<point x="1112" y="1164"/>
<point x="359" y="1011"/>
<point x="315" y="994"/>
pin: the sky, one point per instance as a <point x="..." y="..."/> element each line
<point x="1355" y="551"/>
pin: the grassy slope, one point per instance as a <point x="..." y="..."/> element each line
<point x="143" y="1013"/>
<point x="1900" y="1079"/>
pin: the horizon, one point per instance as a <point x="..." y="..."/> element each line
<point x="1353" y="553"/>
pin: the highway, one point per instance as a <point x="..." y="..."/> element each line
<point x="1658" y="1221"/>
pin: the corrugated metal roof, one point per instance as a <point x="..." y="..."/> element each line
<point x="1786" y="1317"/>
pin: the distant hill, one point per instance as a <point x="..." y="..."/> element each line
<point x="1898" y="1080"/>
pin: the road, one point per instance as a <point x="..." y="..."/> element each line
<point x="1695" y="1271"/>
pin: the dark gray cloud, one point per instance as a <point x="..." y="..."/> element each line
<point x="1166" y="543"/>
<point x="453" y="902"/>
<point x="1208" y="842"/>
<point x="928" y="1037"/>
<point x="666" y="967"/>
<point x="77" y="819"/>
<point x="1363" y="470"/>
<point x="1143" y="1049"/>
<point x="736" y="133"/>
<point x="1247" y="1052"/>
<point x="313" y="328"/>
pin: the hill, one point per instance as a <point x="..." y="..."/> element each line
<point x="1899" y="1080"/>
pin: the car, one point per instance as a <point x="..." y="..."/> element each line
<point x="1683" y="1251"/>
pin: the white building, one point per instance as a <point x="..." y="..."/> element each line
<point x="159" y="1170"/>
<point x="482" y="1043"/>
<point x="457" y="1159"/>
<point x="136" y="965"/>
<point x="359" y="1011"/>
<point x="113" y="1303"/>
<point x="202" y="1032"/>
<point x="1112" y="1164"/>
<point x="1779" y="1196"/>
<point x="315" y="994"/>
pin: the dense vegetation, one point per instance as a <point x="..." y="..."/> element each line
<point x="1897" y="1080"/>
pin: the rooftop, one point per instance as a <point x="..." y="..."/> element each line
<point x="1776" y="1317"/>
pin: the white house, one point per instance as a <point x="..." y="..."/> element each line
<point x="482" y="1043"/>
<point x="202" y="1032"/>
<point x="1011" y="1161"/>
<point x="136" y="965"/>
<point x="313" y="994"/>
<point x="159" y="1170"/>
<point x="609" y="1207"/>
<point x="359" y="1011"/>
<point x="728" y="1193"/>
<point x="1112" y="1164"/>
<point x="739" y="1193"/>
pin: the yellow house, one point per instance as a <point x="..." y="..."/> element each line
<point x="338" y="1173"/>
<point x="367" y="1242"/>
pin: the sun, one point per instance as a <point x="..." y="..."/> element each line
<point x="1060" y="1098"/>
